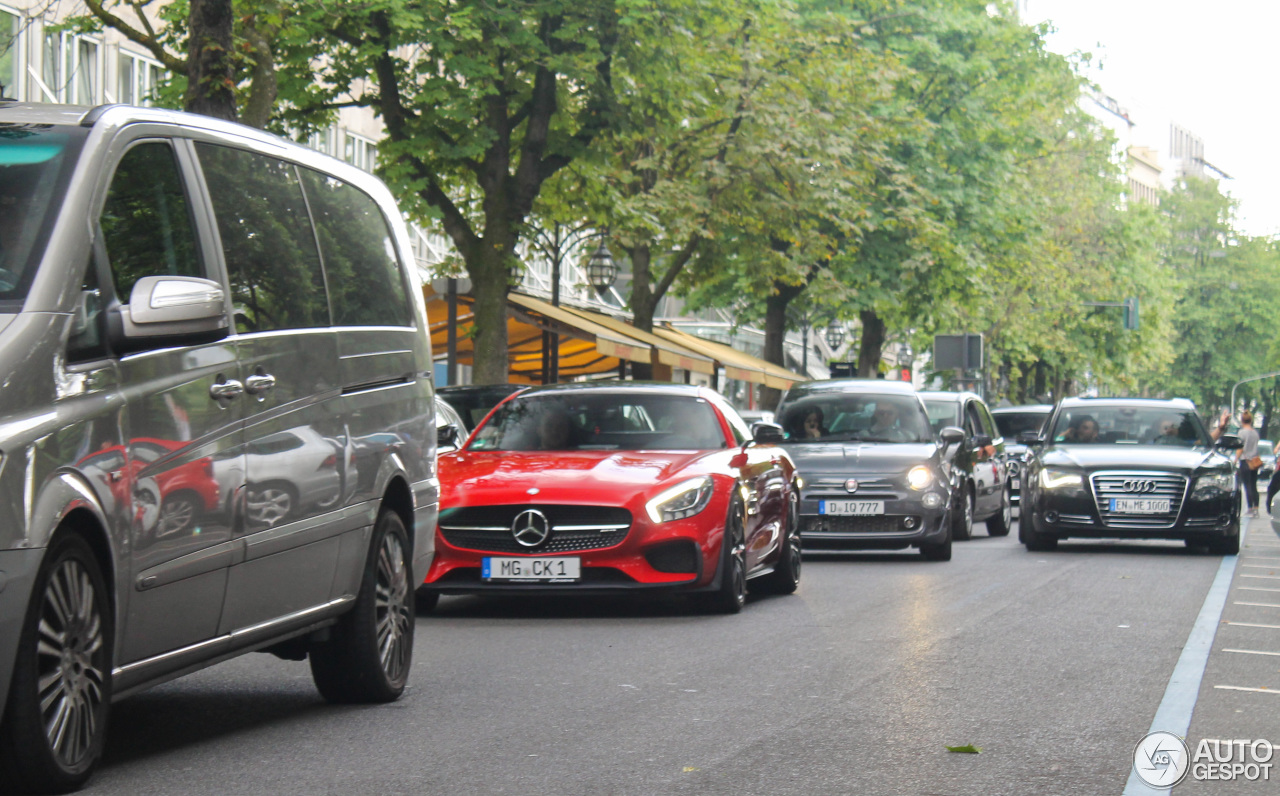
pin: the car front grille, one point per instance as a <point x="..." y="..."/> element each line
<point x="573" y="528"/>
<point x="818" y="526"/>
<point x="1111" y="484"/>
<point x="869" y="486"/>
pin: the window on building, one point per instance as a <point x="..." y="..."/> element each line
<point x="359" y="151"/>
<point x="10" y="50"/>
<point x="138" y="79"/>
<point x="71" y="69"/>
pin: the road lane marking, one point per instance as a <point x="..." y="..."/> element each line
<point x="1252" y="652"/>
<point x="1251" y="624"/>
<point x="1265" y="577"/>
<point x="1259" y="605"/>
<point x="1242" y="688"/>
<point x="1258" y="566"/>
<point x="1174" y="713"/>
<point x="1255" y="588"/>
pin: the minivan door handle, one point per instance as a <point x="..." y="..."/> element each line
<point x="259" y="383"/>
<point x="224" y="391"/>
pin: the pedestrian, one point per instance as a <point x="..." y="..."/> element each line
<point x="1246" y="457"/>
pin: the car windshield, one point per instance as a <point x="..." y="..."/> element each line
<point x="1265" y="447"/>
<point x="1128" y="425"/>
<point x="601" y="421"/>
<point x="866" y="417"/>
<point x="1011" y="424"/>
<point x="34" y="164"/>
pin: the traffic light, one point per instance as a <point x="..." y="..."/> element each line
<point x="1131" y="313"/>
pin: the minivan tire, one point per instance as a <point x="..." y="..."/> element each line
<point x="70" y="597"/>
<point x="369" y="651"/>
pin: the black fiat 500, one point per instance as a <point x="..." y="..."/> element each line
<point x="1129" y="467"/>
<point x="874" y="476"/>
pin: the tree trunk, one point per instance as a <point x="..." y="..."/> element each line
<point x="775" y="334"/>
<point x="263" y="88"/>
<point x="644" y="304"/>
<point x="1040" y="382"/>
<point x="490" y="271"/>
<point x="872" y="344"/>
<point x="210" y="89"/>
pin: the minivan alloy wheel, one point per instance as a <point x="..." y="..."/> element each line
<point x="71" y="659"/>
<point x="394" y="610"/>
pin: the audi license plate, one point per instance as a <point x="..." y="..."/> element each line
<point x="1139" y="506"/>
<point x="851" y="508"/>
<point x="532" y="570"/>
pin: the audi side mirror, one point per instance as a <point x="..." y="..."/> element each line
<point x="1230" y="442"/>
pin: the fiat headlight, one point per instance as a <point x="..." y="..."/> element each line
<point x="1054" y="478"/>
<point x="1225" y="482"/>
<point x="682" y="500"/>
<point x="919" y="477"/>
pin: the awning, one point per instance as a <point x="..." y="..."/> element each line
<point x="737" y="364"/>
<point x="670" y="352"/>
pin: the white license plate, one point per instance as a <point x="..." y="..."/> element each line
<point x="532" y="570"/>
<point x="1139" y="506"/>
<point x="1015" y="483"/>
<point x="851" y="508"/>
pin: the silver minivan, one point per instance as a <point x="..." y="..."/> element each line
<point x="217" y="428"/>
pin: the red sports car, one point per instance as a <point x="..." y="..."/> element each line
<point x="612" y="487"/>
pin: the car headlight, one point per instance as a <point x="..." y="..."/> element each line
<point x="682" y="500"/>
<point x="919" y="477"/>
<point x="1054" y="478"/>
<point x="1225" y="482"/>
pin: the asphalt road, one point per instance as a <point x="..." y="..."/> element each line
<point x="1052" y="663"/>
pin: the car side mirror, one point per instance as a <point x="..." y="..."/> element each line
<point x="1030" y="438"/>
<point x="161" y="306"/>
<point x="950" y="435"/>
<point x="767" y="433"/>
<point x="1230" y="442"/>
<point x="446" y="437"/>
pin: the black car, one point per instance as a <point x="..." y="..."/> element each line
<point x="1130" y="467"/>
<point x="980" y="481"/>
<point x="1013" y="421"/>
<point x="874" y="475"/>
<point x="473" y="402"/>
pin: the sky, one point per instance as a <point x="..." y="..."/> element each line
<point x="1211" y="67"/>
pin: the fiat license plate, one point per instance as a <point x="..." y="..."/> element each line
<point x="851" y="508"/>
<point x="532" y="570"/>
<point x="1139" y="506"/>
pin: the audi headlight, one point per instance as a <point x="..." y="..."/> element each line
<point x="919" y="477"/>
<point x="1225" y="482"/>
<point x="682" y="500"/>
<point x="1054" y="478"/>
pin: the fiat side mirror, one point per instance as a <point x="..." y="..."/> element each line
<point x="950" y="435"/>
<point x="767" y="433"/>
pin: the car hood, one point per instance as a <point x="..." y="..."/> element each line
<point x="858" y="457"/>
<point x="608" y="478"/>
<point x="1118" y="457"/>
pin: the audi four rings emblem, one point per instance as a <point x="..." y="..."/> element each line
<point x="531" y="528"/>
<point x="1139" y="485"/>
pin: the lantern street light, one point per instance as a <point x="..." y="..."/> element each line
<point x="835" y="336"/>
<point x="601" y="269"/>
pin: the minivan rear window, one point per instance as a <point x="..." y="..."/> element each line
<point x="35" y="164"/>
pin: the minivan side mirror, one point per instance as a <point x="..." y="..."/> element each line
<point x="767" y="433"/>
<point x="169" y="306"/>
<point x="950" y="435"/>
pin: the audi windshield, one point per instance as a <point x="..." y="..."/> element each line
<point x="1099" y="424"/>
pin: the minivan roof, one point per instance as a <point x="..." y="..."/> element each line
<point x="40" y="113"/>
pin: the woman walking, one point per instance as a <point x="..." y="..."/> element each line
<point x="1248" y="475"/>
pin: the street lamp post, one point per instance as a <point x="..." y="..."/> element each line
<point x="1232" y="405"/>
<point x="601" y="272"/>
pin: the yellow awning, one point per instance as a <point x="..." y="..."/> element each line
<point x="737" y="364"/>
<point x="669" y="352"/>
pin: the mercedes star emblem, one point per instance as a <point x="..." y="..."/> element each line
<point x="531" y="528"/>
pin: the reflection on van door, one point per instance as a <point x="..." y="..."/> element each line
<point x="294" y="458"/>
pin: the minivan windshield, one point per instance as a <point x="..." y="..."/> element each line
<point x="34" y="167"/>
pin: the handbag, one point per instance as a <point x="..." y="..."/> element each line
<point x="1254" y="463"/>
